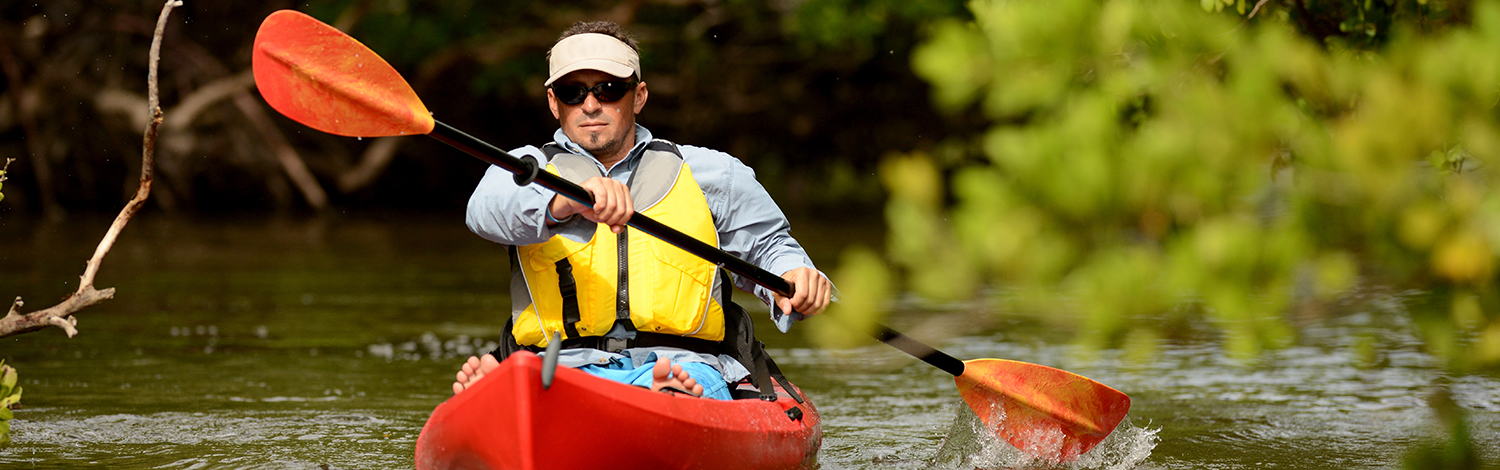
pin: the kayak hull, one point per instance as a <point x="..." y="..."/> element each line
<point x="509" y="421"/>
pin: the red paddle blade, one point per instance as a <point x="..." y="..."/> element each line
<point x="1045" y="412"/>
<point x="328" y="81"/>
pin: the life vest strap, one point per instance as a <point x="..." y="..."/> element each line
<point x="569" y="290"/>
<point x="643" y="339"/>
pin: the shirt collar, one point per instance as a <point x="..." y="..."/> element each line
<point x="642" y="137"/>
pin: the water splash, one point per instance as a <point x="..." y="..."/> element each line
<point x="972" y="444"/>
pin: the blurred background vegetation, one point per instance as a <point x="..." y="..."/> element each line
<point x="1145" y="167"/>
<point x="1148" y="160"/>
<point x="807" y="92"/>
<point x="1120" y="169"/>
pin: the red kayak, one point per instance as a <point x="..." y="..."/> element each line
<point x="508" y="421"/>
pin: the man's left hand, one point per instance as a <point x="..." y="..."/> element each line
<point x="811" y="292"/>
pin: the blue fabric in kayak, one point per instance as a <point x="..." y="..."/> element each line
<point x="623" y="370"/>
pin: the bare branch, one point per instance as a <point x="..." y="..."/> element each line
<point x="25" y="101"/>
<point x="291" y="162"/>
<point x="15" y="323"/>
<point x="1255" y="10"/>
<point x="123" y="103"/>
<point x="148" y="156"/>
<point x="61" y="315"/>
<point x="134" y="107"/>
<point x="68" y="324"/>
<point x="187" y="110"/>
<point x="375" y="159"/>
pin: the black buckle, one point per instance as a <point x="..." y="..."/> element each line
<point x="615" y="345"/>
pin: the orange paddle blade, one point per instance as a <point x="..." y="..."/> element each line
<point x="1045" y="412"/>
<point x="328" y="81"/>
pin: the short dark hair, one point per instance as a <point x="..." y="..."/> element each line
<point x="608" y="28"/>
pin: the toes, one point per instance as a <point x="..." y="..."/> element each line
<point x="472" y="370"/>
<point x="663" y="371"/>
<point x="667" y="375"/>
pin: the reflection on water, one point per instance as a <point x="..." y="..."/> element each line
<point x="326" y="343"/>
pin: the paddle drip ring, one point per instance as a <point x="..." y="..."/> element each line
<point x="528" y="171"/>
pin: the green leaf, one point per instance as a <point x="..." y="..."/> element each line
<point x="956" y="61"/>
<point x="865" y="287"/>
<point x="11" y="399"/>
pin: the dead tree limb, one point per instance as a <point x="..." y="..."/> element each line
<point x="25" y="103"/>
<point x="376" y="157"/>
<point x="135" y="108"/>
<point x="61" y="315"/>
<point x="296" y="169"/>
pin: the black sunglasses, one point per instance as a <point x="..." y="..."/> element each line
<point x="607" y="92"/>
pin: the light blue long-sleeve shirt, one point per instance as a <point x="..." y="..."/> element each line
<point x="749" y="223"/>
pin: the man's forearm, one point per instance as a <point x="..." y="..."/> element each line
<point x="504" y="213"/>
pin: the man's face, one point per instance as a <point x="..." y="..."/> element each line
<point x="604" y="129"/>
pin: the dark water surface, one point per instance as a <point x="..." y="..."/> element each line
<point x="325" y="343"/>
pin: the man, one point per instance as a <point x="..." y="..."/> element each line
<point x="630" y="307"/>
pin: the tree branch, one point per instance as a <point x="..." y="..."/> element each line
<point x="134" y="107"/>
<point x="1259" y="4"/>
<point x="25" y="101"/>
<point x="291" y="162"/>
<point x="187" y="111"/>
<point x="61" y="315"/>
<point x="376" y="157"/>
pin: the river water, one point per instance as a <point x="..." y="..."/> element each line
<point x="324" y="343"/>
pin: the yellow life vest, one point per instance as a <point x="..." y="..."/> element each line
<point x="654" y="286"/>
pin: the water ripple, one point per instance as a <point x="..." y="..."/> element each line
<point x="229" y="439"/>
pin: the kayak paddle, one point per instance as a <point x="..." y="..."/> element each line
<point x="326" y="80"/>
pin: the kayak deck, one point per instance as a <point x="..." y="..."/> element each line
<point x="508" y="421"/>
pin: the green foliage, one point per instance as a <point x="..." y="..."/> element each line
<point x="1357" y="24"/>
<point x="10" y="394"/>
<point x="861" y="23"/>
<point x="1456" y="451"/>
<point x="865" y="286"/>
<point x="1145" y="157"/>
<point x="2" y="175"/>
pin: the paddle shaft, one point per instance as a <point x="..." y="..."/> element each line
<point x="528" y="171"/>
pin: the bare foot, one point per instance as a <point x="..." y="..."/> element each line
<point x="473" y="370"/>
<point x="666" y="375"/>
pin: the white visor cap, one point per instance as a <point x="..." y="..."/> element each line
<point x="592" y="51"/>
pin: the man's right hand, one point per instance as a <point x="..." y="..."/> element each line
<point x="612" y="204"/>
<point x="813" y="292"/>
